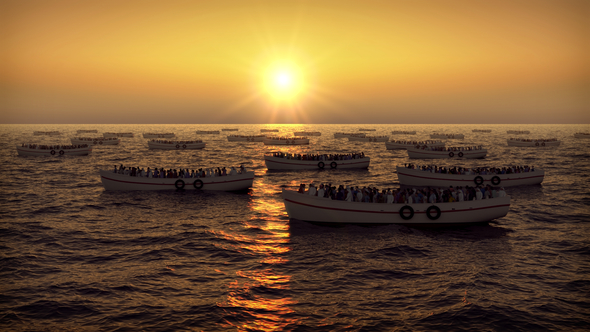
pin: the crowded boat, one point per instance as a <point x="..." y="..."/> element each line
<point x="447" y="136"/>
<point x="229" y="129"/>
<point x="345" y="135"/>
<point x="482" y="130"/>
<point x="27" y="149"/>
<point x="245" y="138"/>
<point x="158" y="135"/>
<point x="87" y="131"/>
<point x="369" y="139"/>
<point x="445" y="176"/>
<point x="522" y="142"/>
<point x="207" y="132"/>
<point x="402" y="145"/>
<point x="353" y="204"/>
<point x="582" y="135"/>
<point x="307" y="133"/>
<point x="518" y="132"/>
<point x="276" y="140"/>
<point x="367" y="129"/>
<point x="176" y="145"/>
<point x="269" y="130"/>
<point x="107" y="135"/>
<point x="429" y="152"/>
<point x="214" y="178"/>
<point x="46" y="133"/>
<point x="95" y="140"/>
<point x="403" y="132"/>
<point x="283" y="160"/>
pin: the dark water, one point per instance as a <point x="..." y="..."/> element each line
<point x="74" y="257"/>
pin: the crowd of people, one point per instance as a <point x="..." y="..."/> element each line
<point x="319" y="157"/>
<point x="54" y="147"/>
<point x="401" y="196"/>
<point x="447" y="135"/>
<point x="404" y="132"/>
<point x="456" y="148"/>
<point x="472" y="171"/>
<point x="247" y="136"/>
<point x="167" y="134"/>
<point x="176" y="142"/>
<point x="178" y="173"/>
<point x="533" y="140"/>
<point x="280" y="138"/>
<point x="417" y="142"/>
<point x="96" y="138"/>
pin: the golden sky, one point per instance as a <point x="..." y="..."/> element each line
<point x="294" y="61"/>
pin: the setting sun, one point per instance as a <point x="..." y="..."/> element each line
<point x="283" y="82"/>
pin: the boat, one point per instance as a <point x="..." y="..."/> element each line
<point x="451" y="152"/>
<point x="369" y="139"/>
<point x="482" y="130"/>
<point x="89" y="131"/>
<point x="518" y="132"/>
<point x="107" y="135"/>
<point x="417" y="177"/>
<point x="46" y="133"/>
<point x="307" y="133"/>
<point x="403" y="132"/>
<point x="237" y="182"/>
<point x="345" y="135"/>
<point x="208" y="132"/>
<point x="176" y="145"/>
<point x="246" y="138"/>
<point x="533" y="142"/>
<point x="318" y="209"/>
<point x="96" y="140"/>
<point x="582" y="135"/>
<point x="53" y="150"/>
<point x="280" y="160"/>
<point x="162" y="135"/>
<point x="229" y="129"/>
<point x="286" y="141"/>
<point x="402" y="145"/>
<point x="269" y="130"/>
<point x="367" y="129"/>
<point x="447" y="136"/>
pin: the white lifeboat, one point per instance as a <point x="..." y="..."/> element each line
<point x="402" y="145"/>
<point x="46" y="133"/>
<point x="447" y="136"/>
<point x="107" y="135"/>
<point x="208" y="132"/>
<point x="161" y="135"/>
<point x="89" y="131"/>
<point x="237" y="182"/>
<point x="53" y="150"/>
<point x="403" y="132"/>
<point x="95" y="140"/>
<point x="533" y="142"/>
<point x="367" y="129"/>
<point x="279" y="161"/>
<point x="369" y="139"/>
<point x="229" y="129"/>
<point x="518" y="132"/>
<point x="582" y="135"/>
<point x="307" y="133"/>
<point x="245" y="138"/>
<point x="176" y="145"/>
<point x="345" y="135"/>
<point x="443" y="153"/>
<point x="312" y="208"/>
<point x="416" y="177"/>
<point x="269" y="130"/>
<point x="482" y="130"/>
<point x="286" y="141"/>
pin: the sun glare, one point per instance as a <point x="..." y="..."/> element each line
<point x="283" y="82"/>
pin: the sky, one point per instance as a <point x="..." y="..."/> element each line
<point x="454" y="61"/>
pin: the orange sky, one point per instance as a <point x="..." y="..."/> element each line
<point x="355" y="62"/>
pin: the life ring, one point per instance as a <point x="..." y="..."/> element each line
<point x="451" y="154"/>
<point x="321" y="164"/>
<point x="184" y="146"/>
<point x="403" y="216"/>
<point x="99" y="142"/>
<point x="429" y="212"/>
<point x="52" y="152"/>
<point x="177" y="146"/>
<point x="478" y="180"/>
<point x="537" y="144"/>
<point x="496" y="180"/>
<point x="333" y="164"/>
<point x="198" y="184"/>
<point x="61" y="152"/>
<point x="179" y="184"/>
<point x="543" y="144"/>
<point x="460" y="154"/>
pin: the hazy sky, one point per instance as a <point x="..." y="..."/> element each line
<point x="295" y="61"/>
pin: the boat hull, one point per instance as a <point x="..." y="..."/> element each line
<point x="368" y="139"/>
<point x="582" y="135"/>
<point x="533" y="144"/>
<point x="402" y="146"/>
<point x="208" y="132"/>
<point x="418" y="178"/>
<point x="177" y="146"/>
<point x="159" y="135"/>
<point x="110" y="135"/>
<point x="253" y="139"/>
<point x="345" y="135"/>
<point x="312" y="208"/>
<point x="276" y="163"/>
<point x="113" y="181"/>
<point x="309" y="133"/>
<point x="297" y="141"/>
<point x="99" y="141"/>
<point x="458" y="136"/>
<point x="429" y="154"/>
<point x="53" y="152"/>
<point x="395" y="132"/>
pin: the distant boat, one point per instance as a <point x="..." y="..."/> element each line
<point x="89" y="131"/>
<point x="447" y="136"/>
<point x="398" y="132"/>
<point x="318" y="209"/>
<point x="582" y="135"/>
<point x="275" y="162"/>
<point x="269" y="130"/>
<point x="367" y="129"/>
<point x="161" y="135"/>
<point x="417" y="177"/>
<point x="518" y="132"/>
<point x="307" y="133"/>
<point x="229" y="129"/>
<point x="402" y="145"/>
<point x="286" y="141"/>
<point x="117" y="135"/>
<point x="46" y="133"/>
<point x="369" y="139"/>
<point x="35" y="150"/>
<point x="533" y="142"/>
<point x="345" y="135"/>
<point x="95" y="140"/>
<point x="208" y="132"/>
<point x="246" y="138"/>
<point x="482" y="130"/>
<point x="176" y="145"/>
<point x="452" y="152"/>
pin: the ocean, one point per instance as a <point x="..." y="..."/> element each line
<point x="75" y="257"/>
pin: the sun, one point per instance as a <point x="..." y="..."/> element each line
<point x="283" y="81"/>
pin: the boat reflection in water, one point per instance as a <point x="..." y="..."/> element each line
<point x="254" y="300"/>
